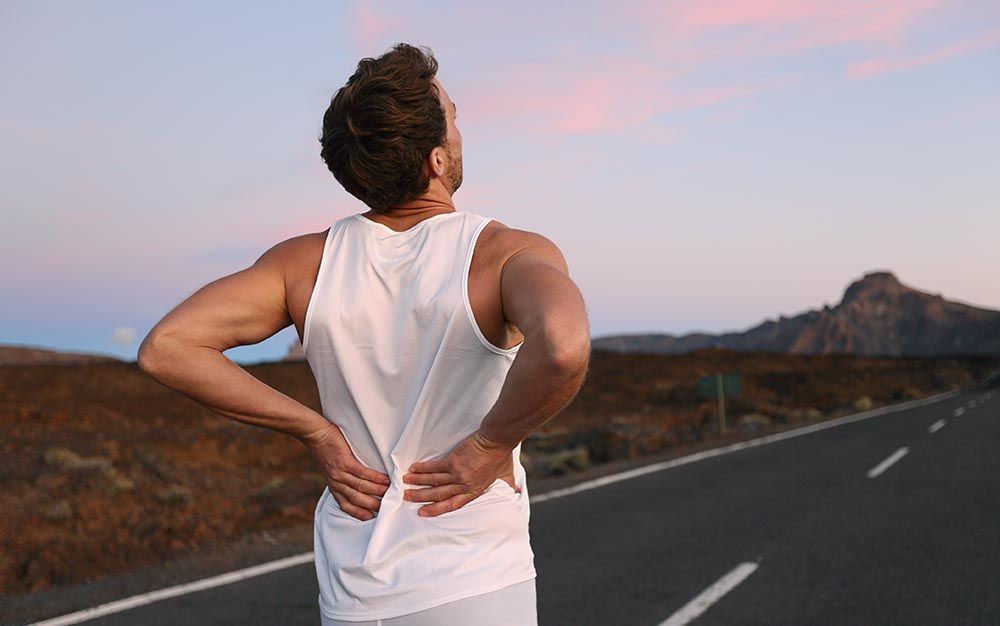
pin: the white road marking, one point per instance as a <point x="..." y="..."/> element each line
<point x="177" y="590"/>
<point x="936" y="426"/>
<point x="884" y="465"/>
<point x="308" y="557"/>
<point x="742" y="445"/>
<point x="959" y="411"/>
<point x="710" y="596"/>
<point x="972" y="404"/>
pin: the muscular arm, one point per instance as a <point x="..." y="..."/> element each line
<point x="547" y="307"/>
<point x="184" y="351"/>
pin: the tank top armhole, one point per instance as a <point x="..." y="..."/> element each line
<point x="311" y="306"/>
<point x="465" y="296"/>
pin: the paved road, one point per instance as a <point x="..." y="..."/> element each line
<point x="839" y="526"/>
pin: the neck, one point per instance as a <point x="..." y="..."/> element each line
<point x="436" y="200"/>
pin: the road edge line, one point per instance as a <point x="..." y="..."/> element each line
<point x="740" y="445"/>
<point x="149" y="597"/>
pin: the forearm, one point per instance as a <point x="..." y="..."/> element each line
<point x="210" y="378"/>
<point x="538" y="386"/>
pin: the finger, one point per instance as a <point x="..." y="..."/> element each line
<point x="362" y="484"/>
<point x="369" y="474"/>
<point x="440" y="465"/>
<point x="438" y="508"/>
<point x="434" y="479"/>
<point x="356" y="497"/>
<point x="432" y="494"/>
<point x="353" y="510"/>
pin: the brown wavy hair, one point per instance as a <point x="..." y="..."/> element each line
<point x="382" y="124"/>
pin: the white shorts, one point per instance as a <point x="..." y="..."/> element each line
<point x="513" y="605"/>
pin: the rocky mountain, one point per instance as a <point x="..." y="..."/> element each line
<point x="877" y="316"/>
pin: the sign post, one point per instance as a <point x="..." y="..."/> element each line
<point x="718" y="386"/>
<point x="722" y="404"/>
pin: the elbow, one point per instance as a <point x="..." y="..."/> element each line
<point x="150" y="356"/>
<point x="570" y="351"/>
<point x="145" y="359"/>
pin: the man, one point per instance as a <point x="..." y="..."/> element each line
<point x="439" y="340"/>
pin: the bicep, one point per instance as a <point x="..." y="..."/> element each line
<point x="243" y="308"/>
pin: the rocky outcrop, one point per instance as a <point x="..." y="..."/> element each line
<point x="877" y="316"/>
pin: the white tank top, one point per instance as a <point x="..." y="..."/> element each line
<point x="405" y="372"/>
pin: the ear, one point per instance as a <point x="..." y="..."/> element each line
<point x="438" y="161"/>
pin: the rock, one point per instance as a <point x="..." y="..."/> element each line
<point x="59" y="512"/>
<point x="578" y="458"/>
<point x="60" y="457"/>
<point x="812" y="413"/>
<point x="864" y="403"/>
<point x="272" y="488"/>
<point x="151" y="462"/>
<point x="565" y="461"/>
<point x="117" y="482"/>
<point x="67" y="459"/>
<point x="174" y="494"/>
<point x="753" y="422"/>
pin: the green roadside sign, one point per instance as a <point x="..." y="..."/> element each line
<point x="709" y="386"/>
<point x="719" y="386"/>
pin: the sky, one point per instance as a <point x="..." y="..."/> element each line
<point x="703" y="166"/>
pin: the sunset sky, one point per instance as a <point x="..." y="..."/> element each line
<point x="703" y="165"/>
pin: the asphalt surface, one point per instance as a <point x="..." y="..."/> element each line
<point x="918" y="543"/>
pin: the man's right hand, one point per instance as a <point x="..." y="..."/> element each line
<point x="461" y="477"/>
<point x="357" y="489"/>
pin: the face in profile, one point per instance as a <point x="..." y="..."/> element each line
<point x="453" y="140"/>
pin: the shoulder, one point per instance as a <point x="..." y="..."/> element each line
<point x="506" y="242"/>
<point x="297" y="248"/>
<point x="295" y="255"/>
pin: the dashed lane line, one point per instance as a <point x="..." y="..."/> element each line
<point x="886" y="464"/>
<point x="710" y="596"/>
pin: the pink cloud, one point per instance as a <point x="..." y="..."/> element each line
<point x="605" y="94"/>
<point x="622" y="94"/>
<point x="668" y="57"/>
<point x="871" y="67"/>
<point x="888" y="17"/>
<point x="368" y="29"/>
<point x="743" y="30"/>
